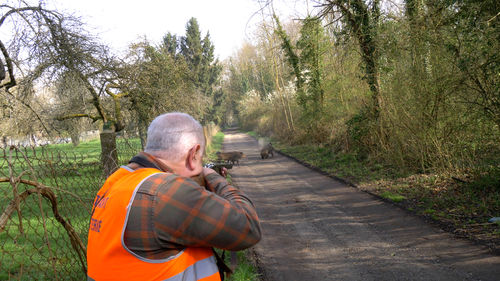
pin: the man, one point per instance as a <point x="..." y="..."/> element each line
<point x="152" y="221"/>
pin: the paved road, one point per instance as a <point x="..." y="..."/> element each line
<point x="316" y="228"/>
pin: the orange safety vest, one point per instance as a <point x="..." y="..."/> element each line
<point x="108" y="258"/>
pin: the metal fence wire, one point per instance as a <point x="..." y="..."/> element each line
<point x="46" y="195"/>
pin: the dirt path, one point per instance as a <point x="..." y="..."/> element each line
<point x="316" y="228"/>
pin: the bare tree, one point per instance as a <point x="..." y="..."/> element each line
<point x="45" y="44"/>
<point x="26" y="26"/>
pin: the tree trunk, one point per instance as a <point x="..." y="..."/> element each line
<point x="142" y="128"/>
<point x="109" y="155"/>
<point x="2" y="71"/>
<point x="75" y="138"/>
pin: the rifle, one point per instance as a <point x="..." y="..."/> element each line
<point x="216" y="166"/>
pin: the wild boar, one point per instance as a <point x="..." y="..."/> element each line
<point x="266" y="151"/>
<point x="231" y="156"/>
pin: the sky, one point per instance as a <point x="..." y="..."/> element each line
<point x="121" y="22"/>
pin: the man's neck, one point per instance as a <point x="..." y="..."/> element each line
<point x="146" y="160"/>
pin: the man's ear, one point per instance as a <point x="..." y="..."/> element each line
<point x="193" y="157"/>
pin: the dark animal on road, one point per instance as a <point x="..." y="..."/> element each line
<point x="266" y="151"/>
<point x="231" y="156"/>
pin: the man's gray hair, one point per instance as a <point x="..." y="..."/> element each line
<point x="171" y="135"/>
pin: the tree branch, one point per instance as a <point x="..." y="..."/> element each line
<point x="31" y="109"/>
<point x="116" y="100"/>
<point x="10" y="68"/>
<point x="78" y="115"/>
<point x="17" y="10"/>
<point x="46" y="192"/>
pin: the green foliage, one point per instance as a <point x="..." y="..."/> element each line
<point x="313" y="45"/>
<point x="486" y="180"/>
<point x="474" y="42"/>
<point x="358" y="131"/>
<point x="215" y="145"/>
<point x="205" y="69"/>
<point x="392" y="196"/>
<point x="345" y="165"/>
<point x="191" y="47"/>
<point x="361" y="19"/>
<point x="170" y="44"/>
<point x="162" y="84"/>
<point x="308" y="66"/>
<point x="178" y="75"/>
<point x="293" y="58"/>
<point x="252" y="133"/>
<point x="245" y="271"/>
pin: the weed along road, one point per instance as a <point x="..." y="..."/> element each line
<point x="316" y="228"/>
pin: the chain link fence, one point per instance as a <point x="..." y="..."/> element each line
<point x="46" y="195"/>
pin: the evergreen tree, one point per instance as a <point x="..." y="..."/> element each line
<point x="191" y="47"/>
<point x="205" y="75"/>
<point x="200" y="58"/>
<point x="170" y="44"/>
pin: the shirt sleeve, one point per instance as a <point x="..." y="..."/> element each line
<point x="219" y="215"/>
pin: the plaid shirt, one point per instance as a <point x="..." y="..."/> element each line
<point x="170" y="213"/>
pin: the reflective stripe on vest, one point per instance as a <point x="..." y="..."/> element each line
<point x="108" y="258"/>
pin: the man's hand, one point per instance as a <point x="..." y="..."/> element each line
<point x="207" y="171"/>
<point x="223" y="172"/>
